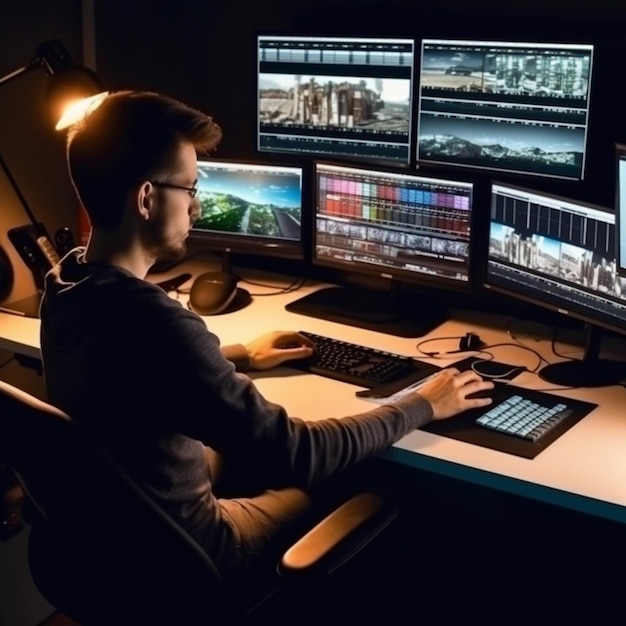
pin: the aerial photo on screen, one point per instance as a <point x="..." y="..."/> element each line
<point x="249" y="203"/>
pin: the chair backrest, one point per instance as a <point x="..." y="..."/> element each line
<point x="100" y="548"/>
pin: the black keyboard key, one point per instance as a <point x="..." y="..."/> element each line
<point x="355" y="364"/>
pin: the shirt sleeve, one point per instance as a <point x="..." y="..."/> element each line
<point x="238" y="356"/>
<point x="233" y="416"/>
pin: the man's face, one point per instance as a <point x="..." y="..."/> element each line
<point x="174" y="209"/>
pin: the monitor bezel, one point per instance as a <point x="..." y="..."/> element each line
<point x="554" y="304"/>
<point x="373" y="159"/>
<point x="238" y="243"/>
<point x="396" y="276"/>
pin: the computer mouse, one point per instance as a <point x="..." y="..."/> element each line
<point x="212" y="292"/>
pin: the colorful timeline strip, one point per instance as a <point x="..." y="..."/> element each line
<point x="394" y="193"/>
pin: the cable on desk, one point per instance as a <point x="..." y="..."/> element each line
<point x="554" y="332"/>
<point x="521" y="346"/>
<point x="485" y="351"/>
<point x="437" y="355"/>
<point x="296" y="284"/>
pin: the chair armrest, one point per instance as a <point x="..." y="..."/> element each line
<point x="339" y="536"/>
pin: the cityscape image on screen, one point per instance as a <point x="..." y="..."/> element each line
<point x="342" y="97"/>
<point x="560" y="251"/>
<point x="513" y="107"/>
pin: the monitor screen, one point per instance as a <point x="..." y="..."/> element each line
<point x="336" y="97"/>
<point x="393" y="225"/>
<point x="559" y="254"/>
<point x="514" y="107"/>
<point x="249" y="208"/>
<point x="620" y="207"/>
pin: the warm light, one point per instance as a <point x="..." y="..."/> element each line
<point x="79" y="109"/>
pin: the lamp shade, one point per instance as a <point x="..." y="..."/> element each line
<point x="68" y="86"/>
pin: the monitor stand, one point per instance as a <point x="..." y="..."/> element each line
<point x="590" y="371"/>
<point x="390" y="312"/>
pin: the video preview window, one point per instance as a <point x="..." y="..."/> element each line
<point x="554" y="248"/>
<point x="336" y="97"/>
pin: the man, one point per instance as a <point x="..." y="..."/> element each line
<point x="151" y="381"/>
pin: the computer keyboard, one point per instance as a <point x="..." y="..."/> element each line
<point x="525" y="418"/>
<point x="359" y="365"/>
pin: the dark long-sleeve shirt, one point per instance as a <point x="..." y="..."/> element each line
<point x="151" y="381"/>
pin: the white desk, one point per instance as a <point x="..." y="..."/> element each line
<point x="584" y="470"/>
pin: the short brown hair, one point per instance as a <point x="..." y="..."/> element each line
<point x="132" y="136"/>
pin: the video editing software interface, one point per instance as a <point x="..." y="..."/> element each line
<point x="250" y="207"/>
<point x="393" y="224"/>
<point x="558" y="253"/>
<point x="336" y="97"/>
<point x="514" y="107"/>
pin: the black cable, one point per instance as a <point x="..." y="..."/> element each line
<point x="296" y="284"/>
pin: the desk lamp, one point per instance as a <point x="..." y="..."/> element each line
<point x="71" y="87"/>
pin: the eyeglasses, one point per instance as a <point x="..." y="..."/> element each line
<point x="192" y="191"/>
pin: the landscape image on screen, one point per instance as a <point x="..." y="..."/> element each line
<point x="503" y="144"/>
<point x="258" y="203"/>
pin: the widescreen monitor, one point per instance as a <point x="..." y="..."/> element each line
<point x="336" y="97"/>
<point x="559" y="254"/>
<point x="248" y="208"/>
<point x="514" y="107"/>
<point x="392" y="225"/>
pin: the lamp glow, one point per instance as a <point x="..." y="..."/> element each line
<point x="80" y="109"/>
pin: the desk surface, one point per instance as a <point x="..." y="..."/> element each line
<point x="584" y="470"/>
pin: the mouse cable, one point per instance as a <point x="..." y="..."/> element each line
<point x="521" y="346"/>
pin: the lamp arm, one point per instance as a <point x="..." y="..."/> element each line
<point x="18" y="192"/>
<point x="19" y="72"/>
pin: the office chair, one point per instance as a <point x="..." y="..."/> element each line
<point x="104" y="553"/>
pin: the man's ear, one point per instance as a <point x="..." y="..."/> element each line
<point x="144" y="197"/>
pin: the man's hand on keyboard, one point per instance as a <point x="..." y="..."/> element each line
<point x="447" y="392"/>
<point x="272" y="349"/>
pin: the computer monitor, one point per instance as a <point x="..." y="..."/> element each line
<point x="249" y="208"/>
<point x="336" y="97"/>
<point x="394" y="225"/>
<point x="620" y="208"/>
<point x="559" y="254"/>
<point x="514" y="107"/>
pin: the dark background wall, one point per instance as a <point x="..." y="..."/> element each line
<point x="33" y="151"/>
<point x="204" y="52"/>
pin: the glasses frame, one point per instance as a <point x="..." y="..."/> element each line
<point x="192" y="191"/>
